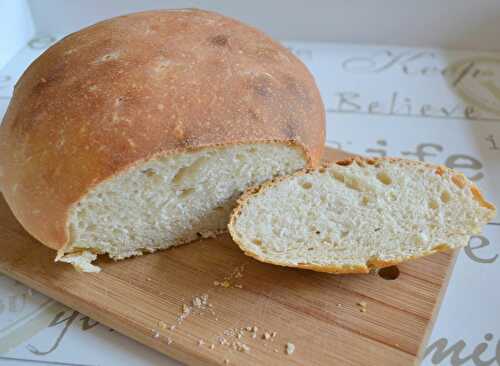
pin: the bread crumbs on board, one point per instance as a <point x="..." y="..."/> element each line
<point x="198" y="304"/>
<point x="233" y="338"/>
<point x="230" y="280"/>
<point x="290" y="348"/>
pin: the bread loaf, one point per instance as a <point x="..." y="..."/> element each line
<point x="139" y="132"/>
<point x="359" y="214"/>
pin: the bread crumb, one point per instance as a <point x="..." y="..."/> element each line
<point x="226" y="362"/>
<point x="276" y="350"/>
<point x="290" y="348"/>
<point x="162" y="325"/>
<point x="274" y="334"/>
<point x="266" y="336"/>
<point x="212" y="346"/>
<point x="362" y="306"/>
<point x="240" y="347"/>
<point x="30" y="292"/>
<point x="255" y="329"/>
<point x="198" y="303"/>
<point x="169" y="341"/>
<point x="254" y="336"/>
<point x="339" y="305"/>
<point x="156" y="334"/>
<point x="228" y="280"/>
<point x="200" y="342"/>
<point x="248" y="329"/>
<point x="148" y="278"/>
<point x="208" y="234"/>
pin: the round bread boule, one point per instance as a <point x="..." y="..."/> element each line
<point x="104" y="121"/>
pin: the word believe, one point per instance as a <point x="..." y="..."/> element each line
<point x="399" y="105"/>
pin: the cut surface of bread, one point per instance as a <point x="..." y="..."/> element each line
<point x="171" y="200"/>
<point x="359" y="214"/>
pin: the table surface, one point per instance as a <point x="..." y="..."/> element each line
<point x="437" y="106"/>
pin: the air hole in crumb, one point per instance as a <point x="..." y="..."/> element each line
<point x="307" y="185"/>
<point x="321" y="170"/>
<point x="219" y="208"/>
<point x="190" y="170"/>
<point x="377" y="229"/>
<point x="344" y="162"/>
<point x="186" y="192"/>
<point x="433" y="204"/>
<point x="389" y="273"/>
<point x="353" y="183"/>
<point x="384" y="178"/>
<point x="370" y="162"/>
<point x="310" y="249"/>
<point x="392" y="196"/>
<point x="364" y="201"/>
<point x="440" y="170"/>
<point x="318" y="232"/>
<point x="253" y="150"/>
<point x="337" y="175"/>
<point x="445" y="197"/>
<point x="343" y="234"/>
<point x="257" y="242"/>
<point x="459" y="180"/>
<point x="149" y="172"/>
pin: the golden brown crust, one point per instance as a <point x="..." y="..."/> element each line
<point x="372" y="263"/>
<point x="142" y="85"/>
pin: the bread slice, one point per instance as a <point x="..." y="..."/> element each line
<point x="359" y="214"/>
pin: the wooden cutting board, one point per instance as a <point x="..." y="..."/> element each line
<point x="331" y="320"/>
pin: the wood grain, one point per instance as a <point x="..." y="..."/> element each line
<point x="316" y="312"/>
